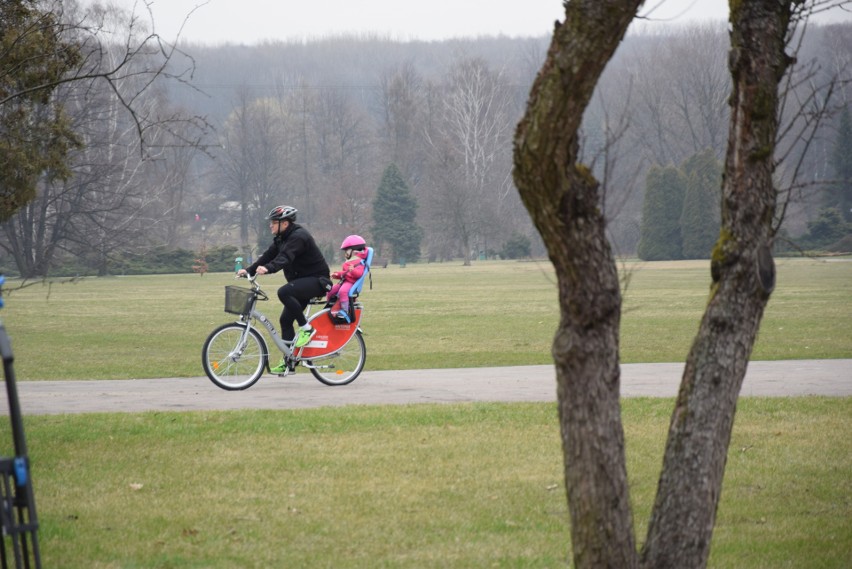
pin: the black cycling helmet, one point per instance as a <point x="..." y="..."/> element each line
<point x="283" y="213"/>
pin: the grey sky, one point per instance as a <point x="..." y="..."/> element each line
<point x="250" y="21"/>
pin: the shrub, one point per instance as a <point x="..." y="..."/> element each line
<point x="661" y="212"/>
<point x="518" y="246"/>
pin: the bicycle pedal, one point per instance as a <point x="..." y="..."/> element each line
<point x="286" y="372"/>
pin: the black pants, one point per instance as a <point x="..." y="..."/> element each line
<point x="295" y="296"/>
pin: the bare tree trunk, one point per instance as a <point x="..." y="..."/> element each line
<point x="743" y="277"/>
<point x="564" y="200"/>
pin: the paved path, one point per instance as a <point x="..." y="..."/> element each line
<point x="521" y="383"/>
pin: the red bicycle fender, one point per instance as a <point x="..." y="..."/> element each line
<point x="330" y="336"/>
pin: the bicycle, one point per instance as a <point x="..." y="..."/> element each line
<point x="235" y="355"/>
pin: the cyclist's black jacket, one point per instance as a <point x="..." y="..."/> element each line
<point x="296" y="253"/>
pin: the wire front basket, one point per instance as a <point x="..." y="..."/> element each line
<point x="238" y="300"/>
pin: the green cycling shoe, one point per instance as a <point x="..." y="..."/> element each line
<point x="304" y="337"/>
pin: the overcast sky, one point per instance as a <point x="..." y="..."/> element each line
<point x="250" y="21"/>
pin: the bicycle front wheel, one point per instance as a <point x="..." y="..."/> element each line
<point x="229" y="364"/>
<point x="342" y="367"/>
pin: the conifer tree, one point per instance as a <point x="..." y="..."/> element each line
<point x="394" y="217"/>
<point x="661" y="211"/>
<point x="35" y="134"/>
<point x="840" y="194"/>
<point x="700" y="218"/>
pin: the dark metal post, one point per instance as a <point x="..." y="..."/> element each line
<point x="17" y="501"/>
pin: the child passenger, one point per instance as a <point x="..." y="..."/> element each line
<point x="355" y="251"/>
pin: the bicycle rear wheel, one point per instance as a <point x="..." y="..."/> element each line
<point x="229" y="365"/>
<point x="342" y="367"/>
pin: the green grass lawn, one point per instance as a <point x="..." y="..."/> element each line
<point x="472" y="485"/>
<point x="468" y="485"/>
<point x="420" y="316"/>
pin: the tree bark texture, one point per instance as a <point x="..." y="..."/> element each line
<point x="743" y="276"/>
<point x="564" y="201"/>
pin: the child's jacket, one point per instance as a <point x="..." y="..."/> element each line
<point x="353" y="269"/>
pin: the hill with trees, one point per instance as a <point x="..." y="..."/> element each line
<point x="317" y="123"/>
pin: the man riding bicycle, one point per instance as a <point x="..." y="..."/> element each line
<point x="294" y="251"/>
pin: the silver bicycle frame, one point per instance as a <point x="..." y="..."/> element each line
<point x="285" y="347"/>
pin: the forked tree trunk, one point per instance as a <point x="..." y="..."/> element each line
<point x="564" y="202"/>
<point x="743" y="276"/>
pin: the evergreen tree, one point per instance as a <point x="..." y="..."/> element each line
<point x="700" y="218"/>
<point x="661" y="211"/>
<point x="394" y="217"/>
<point x="35" y="134"/>
<point x="840" y="194"/>
<point x="517" y="247"/>
<point x="828" y="227"/>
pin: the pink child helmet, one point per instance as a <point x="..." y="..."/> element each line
<point x="354" y="242"/>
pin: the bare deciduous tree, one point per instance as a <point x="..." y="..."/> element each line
<point x="177" y="172"/>
<point x="401" y="126"/>
<point x="109" y="93"/>
<point x="347" y="170"/>
<point x="743" y="274"/>
<point x="564" y="201"/>
<point x="679" y="86"/>
<point x="467" y="140"/>
<point x="252" y="166"/>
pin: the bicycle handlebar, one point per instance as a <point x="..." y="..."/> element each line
<point x="252" y="279"/>
<point x="248" y="277"/>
